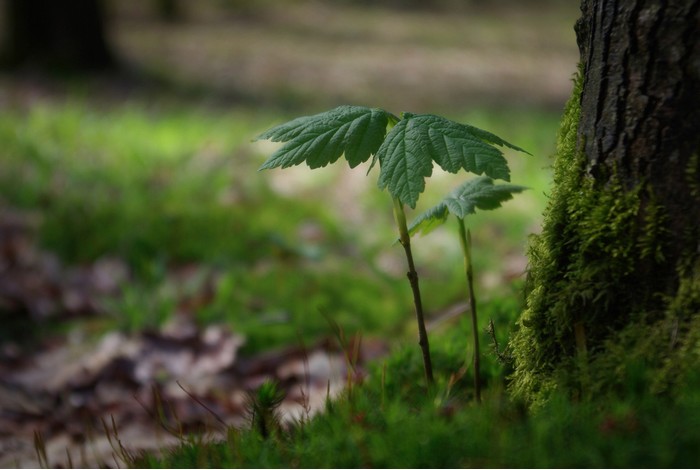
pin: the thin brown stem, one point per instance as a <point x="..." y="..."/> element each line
<point x="412" y="275"/>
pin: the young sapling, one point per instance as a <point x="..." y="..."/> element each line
<point x="405" y="148"/>
<point x="478" y="193"/>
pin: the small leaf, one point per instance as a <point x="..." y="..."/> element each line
<point x="429" y="220"/>
<point x="478" y="193"/>
<point x="318" y="140"/>
<point x="429" y="138"/>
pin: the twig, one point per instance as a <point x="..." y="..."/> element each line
<point x="201" y="403"/>
<point x="159" y="419"/>
<point x="502" y="356"/>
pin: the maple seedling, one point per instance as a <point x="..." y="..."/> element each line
<point x="478" y="193"/>
<point x="405" y="148"/>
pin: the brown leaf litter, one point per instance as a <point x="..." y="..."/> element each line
<point x="79" y="400"/>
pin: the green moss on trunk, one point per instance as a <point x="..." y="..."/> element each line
<point x="598" y="320"/>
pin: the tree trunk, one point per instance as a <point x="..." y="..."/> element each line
<point x="614" y="285"/>
<point x="65" y="36"/>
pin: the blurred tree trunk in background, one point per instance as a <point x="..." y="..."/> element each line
<point x="614" y="286"/>
<point x="56" y="35"/>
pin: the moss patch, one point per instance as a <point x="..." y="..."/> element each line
<point x="598" y="319"/>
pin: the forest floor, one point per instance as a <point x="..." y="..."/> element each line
<point x="118" y="305"/>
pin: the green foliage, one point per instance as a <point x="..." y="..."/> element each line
<point x="179" y="190"/>
<point x="355" y="131"/>
<point x="405" y="157"/>
<point x="406" y="154"/>
<point x="150" y="197"/>
<point x="276" y="306"/>
<point x="142" y="307"/>
<point x="478" y="193"/>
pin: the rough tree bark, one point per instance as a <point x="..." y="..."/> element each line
<point x="614" y="285"/>
<point x="56" y="35"/>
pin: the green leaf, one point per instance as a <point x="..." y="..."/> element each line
<point x="406" y="157"/>
<point x="478" y="193"/>
<point x="321" y="139"/>
<point x="404" y="163"/>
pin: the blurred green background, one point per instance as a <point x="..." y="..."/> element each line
<point x="149" y="160"/>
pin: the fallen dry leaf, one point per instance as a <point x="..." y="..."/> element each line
<point x="149" y="380"/>
<point x="90" y="403"/>
<point x="35" y="282"/>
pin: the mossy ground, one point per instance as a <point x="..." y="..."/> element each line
<point x="389" y="421"/>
